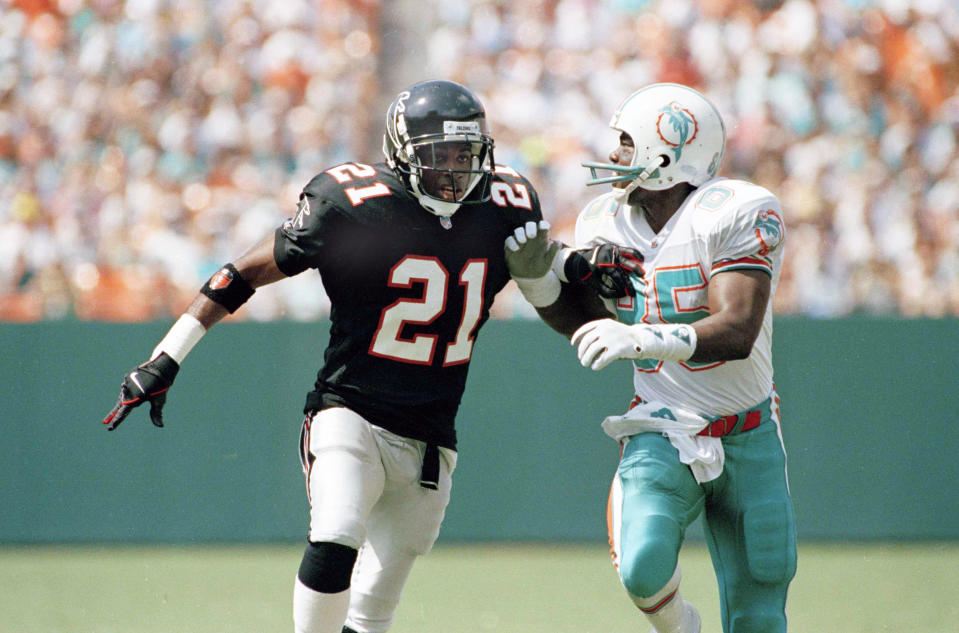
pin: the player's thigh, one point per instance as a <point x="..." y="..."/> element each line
<point x="345" y="476"/>
<point x="408" y="516"/>
<point x="654" y="499"/>
<point x="403" y="525"/>
<point x="751" y="532"/>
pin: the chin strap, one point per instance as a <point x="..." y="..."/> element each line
<point x="439" y="208"/>
<point x="640" y="179"/>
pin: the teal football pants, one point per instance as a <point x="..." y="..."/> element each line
<point x="749" y="525"/>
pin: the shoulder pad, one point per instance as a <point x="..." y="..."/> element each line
<point x="726" y="195"/>
<point x="511" y="190"/>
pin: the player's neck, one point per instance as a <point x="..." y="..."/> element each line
<point x="660" y="206"/>
<point x="657" y="218"/>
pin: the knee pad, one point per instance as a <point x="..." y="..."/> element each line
<point x="327" y="567"/>
<point x="770" y="542"/>
<point x="649" y="556"/>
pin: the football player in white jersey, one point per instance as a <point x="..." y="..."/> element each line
<point x="702" y="433"/>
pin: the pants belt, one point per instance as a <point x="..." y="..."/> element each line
<point x="731" y="424"/>
<point x="430" y="475"/>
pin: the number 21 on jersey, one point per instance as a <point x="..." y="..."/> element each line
<point x="421" y="348"/>
<point x="358" y="195"/>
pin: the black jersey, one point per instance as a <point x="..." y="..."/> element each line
<point x="409" y="291"/>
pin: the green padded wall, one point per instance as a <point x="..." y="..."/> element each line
<point x="869" y="410"/>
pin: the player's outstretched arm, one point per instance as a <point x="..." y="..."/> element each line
<point x="228" y="289"/>
<point x="577" y="304"/>
<point x="565" y="285"/>
<point x="737" y="304"/>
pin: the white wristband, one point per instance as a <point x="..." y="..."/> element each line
<point x="559" y="263"/>
<point x="542" y="291"/>
<point x="181" y="338"/>
<point x="666" y="341"/>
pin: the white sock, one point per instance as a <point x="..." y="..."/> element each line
<point x="667" y="611"/>
<point x="316" y="612"/>
<point x="676" y="616"/>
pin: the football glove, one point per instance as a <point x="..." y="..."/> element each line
<point x="530" y="251"/>
<point x="148" y="382"/>
<point x="605" y="268"/>
<point x="602" y="341"/>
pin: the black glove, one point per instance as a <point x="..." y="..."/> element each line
<point x="605" y="268"/>
<point x="148" y="382"/>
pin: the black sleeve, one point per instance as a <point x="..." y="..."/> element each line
<point x="520" y="200"/>
<point x="537" y="211"/>
<point x="302" y="241"/>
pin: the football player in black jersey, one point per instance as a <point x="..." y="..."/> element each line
<point x="411" y="253"/>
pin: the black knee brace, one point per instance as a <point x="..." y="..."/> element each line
<point x="327" y="567"/>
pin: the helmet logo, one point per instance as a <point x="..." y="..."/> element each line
<point x="401" y="101"/>
<point x="398" y="123"/>
<point x="677" y="127"/>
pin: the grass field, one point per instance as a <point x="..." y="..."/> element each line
<point x="456" y="589"/>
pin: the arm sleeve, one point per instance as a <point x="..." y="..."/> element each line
<point x="302" y="241"/>
<point x="750" y="237"/>
<point x="523" y="205"/>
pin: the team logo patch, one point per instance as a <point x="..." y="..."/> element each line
<point x="769" y="230"/>
<point x="677" y="127"/>
<point x="221" y="279"/>
<point x="302" y="212"/>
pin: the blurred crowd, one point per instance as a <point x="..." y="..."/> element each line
<point x="145" y="142"/>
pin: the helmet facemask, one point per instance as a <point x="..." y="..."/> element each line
<point x="450" y="162"/>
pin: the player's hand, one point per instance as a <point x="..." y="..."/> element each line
<point x="602" y="341"/>
<point x="606" y="269"/>
<point x="530" y="251"/>
<point x="148" y="382"/>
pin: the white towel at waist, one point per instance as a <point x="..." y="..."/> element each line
<point x="704" y="455"/>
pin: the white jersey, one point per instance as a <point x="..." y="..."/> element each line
<point x="724" y="225"/>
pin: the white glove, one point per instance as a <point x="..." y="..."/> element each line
<point x="602" y="341"/>
<point x="529" y="251"/>
<point x="529" y="257"/>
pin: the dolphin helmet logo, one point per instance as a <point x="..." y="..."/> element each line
<point x="677" y="127"/>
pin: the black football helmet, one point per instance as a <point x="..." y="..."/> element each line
<point x="426" y="123"/>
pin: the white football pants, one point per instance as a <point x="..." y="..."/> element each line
<point x="364" y="490"/>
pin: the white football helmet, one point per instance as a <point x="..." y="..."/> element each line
<point x="678" y="136"/>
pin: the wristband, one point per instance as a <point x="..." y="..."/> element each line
<point x="666" y="341"/>
<point x="228" y="288"/>
<point x="542" y="291"/>
<point x="181" y="338"/>
<point x="559" y="263"/>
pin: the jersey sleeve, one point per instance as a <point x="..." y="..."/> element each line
<point x="301" y="241"/>
<point x="516" y="196"/>
<point x="749" y="235"/>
